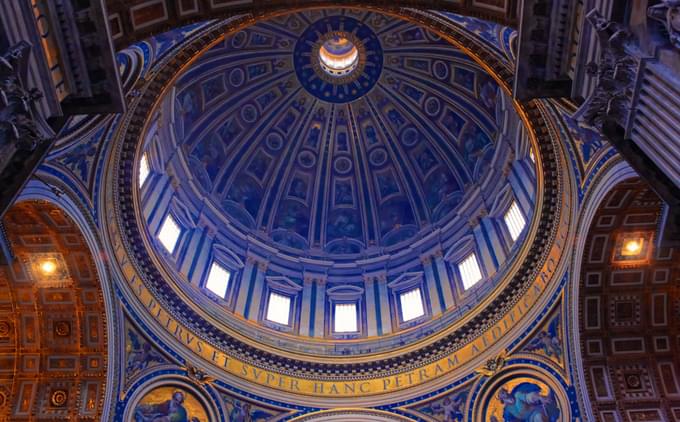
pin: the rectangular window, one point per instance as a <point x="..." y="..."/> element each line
<point x="278" y="308"/>
<point x="346" y="318"/>
<point x="411" y="305"/>
<point x="470" y="271"/>
<point x="514" y="221"/>
<point x="169" y="233"/>
<point x="144" y="170"/>
<point x="218" y="280"/>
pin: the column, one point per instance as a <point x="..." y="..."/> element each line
<point x="485" y="257"/>
<point x="319" y="307"/>
<point x="196" y="254"/>
<point x="494" y="239"/>
<point x="306" y="305"/>
<point x="432" y="285"/>
<point x="157" y="204"/>
<point x="247" y="278"/>
<point x="522" y="186"/>
<point x="439" y="270"/>
<point x="257" y="290"/>
<point x="372" y="313"/>
<point x="384" y="304"/>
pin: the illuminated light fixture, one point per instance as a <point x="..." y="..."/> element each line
<point x="338" y="56"/>
<point x="48" y="267"/>
<point x="632" y="247"/>
<point x="346" y="318"/>
<point x="144" y="170"/>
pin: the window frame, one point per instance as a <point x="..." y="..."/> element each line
<point x="281" y="286"/>
<point x="348" y="294"/>
<point x="401" y="305"/>
<point x="271" y="293"/>
<point x="480" y="270"/>
<point x="515" y="204"/>
<point x="182" y="230"/>
<point x="403" y="284"/>
<point x="227" y="289"/>
<point x="144" y="158"/>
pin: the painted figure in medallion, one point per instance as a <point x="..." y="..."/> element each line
<point x="169" y="411"/>
<point x="169" y="404"/>
<point x="525" y="403"/>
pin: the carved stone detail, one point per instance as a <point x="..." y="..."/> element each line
<point x="668" y="13"/>
<point x="616" y="72"/>
<point x="18" y="130"/>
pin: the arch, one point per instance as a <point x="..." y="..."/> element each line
<point x="617" y="172"/>
<point x="134" y="21"/>
<point x="350" y="414"/>
<point x="55" y="323"/>
<point x="627" y="332"/>
<point x="162" y="389"/>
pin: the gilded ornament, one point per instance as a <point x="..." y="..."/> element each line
<point x="59" y="398"/>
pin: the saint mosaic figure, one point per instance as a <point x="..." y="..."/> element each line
<point x="525" y="403"/>
<point x="172" y="410"/>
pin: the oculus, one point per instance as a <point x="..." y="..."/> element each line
<point x="338" y="55"/>
<point x="338" y="59"/>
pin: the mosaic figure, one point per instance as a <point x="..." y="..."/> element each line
<point x="171" y="410"/>
<point x="525" y="403"/>
<point x="244" y="412"/>
<point x="548" y="341"/>
<point x="448" y="409"/>
<point x="140" y="354"/>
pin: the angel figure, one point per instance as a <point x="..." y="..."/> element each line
<point x="451" y="407"/>
<point x="141" y="354"/>
<point x="548" y="340"/>
<point x="243" y="412"/>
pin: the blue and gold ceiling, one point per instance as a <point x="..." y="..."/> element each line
<point x="353" y="167"/>
<point x="333" y="188"/>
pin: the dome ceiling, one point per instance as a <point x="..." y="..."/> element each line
<point x="330" y="157"/>
<point x="336" y="165"/>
